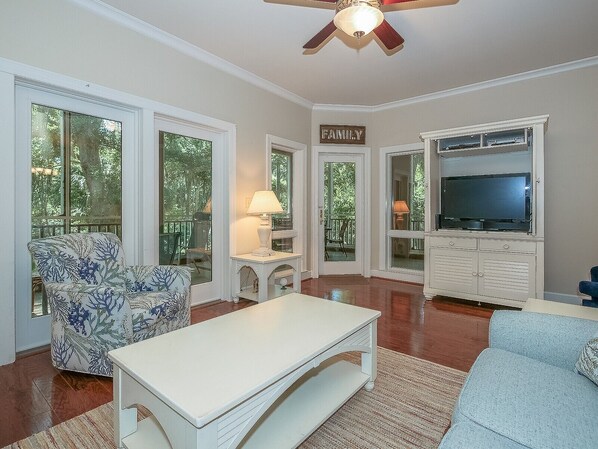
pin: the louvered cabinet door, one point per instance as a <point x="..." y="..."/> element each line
<point x="454" y="270"/>
<point x="509" y="276"/>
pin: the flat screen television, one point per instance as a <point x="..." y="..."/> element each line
<point x="498" y="202"/>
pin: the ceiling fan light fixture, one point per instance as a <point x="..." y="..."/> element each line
<point x="358" y="17"/>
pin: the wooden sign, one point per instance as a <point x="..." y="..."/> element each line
<point x="342" y="134"/>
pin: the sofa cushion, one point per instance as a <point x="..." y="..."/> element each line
<point x="468" y="435"/>
<point x="530" y="402"/>
<point x="587" y="364"/>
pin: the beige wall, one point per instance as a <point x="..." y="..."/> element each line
<point x="60" y="36"/>
<point x="571" y="157"/>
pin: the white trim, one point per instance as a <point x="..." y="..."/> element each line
<point x="299" y="176"/>
<point x="7" y="224"/>
<point x="161" y="36"/>
<point x="40" y="77"/>
<point x="524" y="76"/>
<point x="34" y="332"/>
<point x="383" y="207"/>
<point x="213" y="290"/>
<point x="487" y="127"/>
<point x="365" y="152"/>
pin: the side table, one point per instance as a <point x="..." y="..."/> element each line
<point x="263" y="268"/>
<point x="559" y="308"/>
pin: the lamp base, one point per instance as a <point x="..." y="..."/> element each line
<point x="263" y="252"/>
<point x="263" y="232"/>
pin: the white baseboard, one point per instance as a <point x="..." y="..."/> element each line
<point x="399" y="276"/>
<point x="562" y="297"/>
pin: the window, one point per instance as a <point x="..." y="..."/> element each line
<point x="186" y="204"/>
<point x="282" y="186"/>
<point x="76" y="171"/>
<point x="407" y="211"/>
<point x="190" y="208"/>
<point x="286" y="161"/>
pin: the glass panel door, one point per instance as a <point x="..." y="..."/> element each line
<point x="186" y="200"/>
<point x="406" y="212"/>
<point x="70" y="161"/>
<point x="189" y="205"/>
<point x="341" y="214"/>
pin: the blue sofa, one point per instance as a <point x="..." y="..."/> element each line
<point x="523" y="391"/>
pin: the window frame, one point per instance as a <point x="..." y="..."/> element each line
<point x="298" y="191"/>
<point x="386" y="233"/>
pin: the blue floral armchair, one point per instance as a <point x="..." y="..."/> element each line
<point x="99" y="304"/>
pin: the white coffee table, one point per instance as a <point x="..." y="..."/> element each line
<point x="260" y="377"/>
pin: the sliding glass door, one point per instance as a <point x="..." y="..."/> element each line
<point x="70" y="165"/>
<point x="190" y="202"/>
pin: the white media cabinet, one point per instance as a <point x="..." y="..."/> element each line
<point x="499" y="267"/>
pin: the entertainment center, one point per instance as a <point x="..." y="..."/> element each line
<point x="484" y="225"/>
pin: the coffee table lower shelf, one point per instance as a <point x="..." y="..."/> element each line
<point x="294" y="416"/>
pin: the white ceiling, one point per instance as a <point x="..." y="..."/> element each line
<point x="446" y="47"/>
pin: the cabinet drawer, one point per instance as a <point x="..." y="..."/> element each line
<point x="453" y="242"/>
<point x="511" y="246"/>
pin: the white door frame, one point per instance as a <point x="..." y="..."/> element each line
<point x="209" y="291"/>
<point x="35" y="332"/>
<point x="384" y="207"/>
<point x="365" y="153"/>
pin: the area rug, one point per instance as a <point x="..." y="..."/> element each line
<point x="410" y="407"/>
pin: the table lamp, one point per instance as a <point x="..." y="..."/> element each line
<point x="399" y="208"/>
<point x="264" y="203"/>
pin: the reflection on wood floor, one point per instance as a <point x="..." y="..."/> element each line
<point x="35" y="396"/>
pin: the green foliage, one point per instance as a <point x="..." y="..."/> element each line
<point x="187" y="175"/>
<point x="281" y="177"/>
<point x="418" y="189"/>
<point x="339" y="189"/>
<point x="77" y="154"/>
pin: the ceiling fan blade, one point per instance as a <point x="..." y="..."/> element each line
<point x="321" y="36"/>
<point x="388" y="36"/>
<point x="327" y="4"/>
<point x="392" y="2"/>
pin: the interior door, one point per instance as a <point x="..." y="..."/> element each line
<point x="75" y="173"/>
<point x="341" y="214"/>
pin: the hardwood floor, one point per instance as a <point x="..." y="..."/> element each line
<point x="35" y="396"/>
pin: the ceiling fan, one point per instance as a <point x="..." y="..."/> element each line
<point x="356" y="18"/>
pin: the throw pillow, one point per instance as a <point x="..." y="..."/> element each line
<point x="587" y="364"/>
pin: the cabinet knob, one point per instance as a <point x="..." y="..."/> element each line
<point x="481" y="275"/>
<point x="452" y="243"/>
<point x="474" y="273"/>
<point x="505" y="246"/>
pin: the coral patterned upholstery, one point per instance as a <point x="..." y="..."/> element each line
<point x="99" y="304"/>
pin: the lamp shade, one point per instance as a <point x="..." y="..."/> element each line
<point x="208" y="207"/>
<point x="264" y="202"/>
<point x="400" y="207"/>
<point x="358" y="18"/>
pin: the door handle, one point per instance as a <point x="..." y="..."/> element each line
<point x="321" y="216"/>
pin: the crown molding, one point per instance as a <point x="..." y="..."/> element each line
<point x="532" y="74"/>
<point x="343" y="108"/>
<point x="152" y="32"/>
<point x="115" y="15"/>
